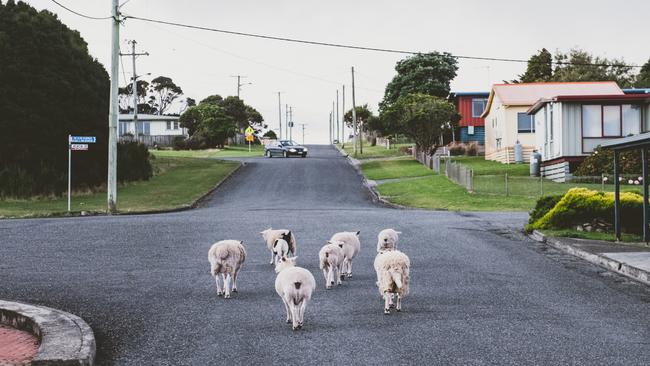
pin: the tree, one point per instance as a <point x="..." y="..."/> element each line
<point x="423" y="118"/>
<point x="215" y="125"/>
<point x="579" y="65"/>
<point x="540" y="68"/>
<point x="426" y="73"/>
<point x="363" y="114"/>
<point x="270" y="134"/>
<point x="190" y="119"/>
<point x="643" y="78"/>
<point x="50" y="87"/>
<point x="163" y="92"/>
<point x="125" y="97"/>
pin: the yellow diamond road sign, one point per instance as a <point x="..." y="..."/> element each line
<point x="249" y="131"/>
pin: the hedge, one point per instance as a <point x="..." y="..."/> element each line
<point x="580" y="205"/>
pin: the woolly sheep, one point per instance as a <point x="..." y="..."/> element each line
<point x="270" y="236"/>
<point x="226" y="258"/>
<point x="331" y="261"/>
<point x="392" y="269"/>
<point x="295" y="286"/>
<point x="280" y="249"/>
<point x="349" y="242"/>
<point x="387" y="240"/>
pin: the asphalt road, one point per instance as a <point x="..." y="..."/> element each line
<point x="481" y="293"/>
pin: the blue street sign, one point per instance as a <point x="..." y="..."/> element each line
<point x="83" y="139"/>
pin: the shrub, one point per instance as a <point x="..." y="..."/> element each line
<point x="544" y="205"/>
<point x="407" y="150"/>
<point x="472" y="149"/>
<point x="580" y="205"/>
<point x="179" y="143"/>
<point x="373" y="141"/>
<point x="133" y="162"/>
<point x="457" y="150"/>
<point x="602" y="162"/>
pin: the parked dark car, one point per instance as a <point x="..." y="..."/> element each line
<point x="285" y="148"/>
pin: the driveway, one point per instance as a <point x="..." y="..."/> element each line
<point x="481" y="293"/>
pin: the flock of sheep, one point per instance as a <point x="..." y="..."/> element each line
<point x="295" y="285"/>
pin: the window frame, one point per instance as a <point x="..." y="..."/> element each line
<point x="602" y="122"/>
<point x="484" y="102"/>
<point x="531" y="120"/>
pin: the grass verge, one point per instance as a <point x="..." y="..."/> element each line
<point x="389" y="169"/>
<point x="373" y="152"/>
<point x="233" y="151"/>
<point x="569" y="233"/>
<point x="177" y="183"/>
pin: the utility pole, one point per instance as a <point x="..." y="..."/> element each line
<point x="290" y="123"/>
<point x="303" y="133"/>
<point x="280" y="115"/>
<point x="343" y="119"/>
<point x="111" y="184"/>
<point x="286" y="121"/>
<point x="330" y="127"/>
<point x="134" y="85"/>
<point x="333" y="121"/>
<point x="338" y="131"/>
<point x="354" y="115"/>
<point x="239" y="84"/>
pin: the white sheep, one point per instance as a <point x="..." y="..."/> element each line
<point x="280" y="249"/>
<point x="387" y="240"/>
<point x="330" y="261"/>
<point x="226" y="258"/>
<point x="392" y="269"/>
<point x="349" y="242"/>
<point x="270" y="236"/>
<point x="295" y="286"/>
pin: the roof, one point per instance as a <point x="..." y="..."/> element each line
<point x="147" y="117"/>
<point x="590" y="98"/>
<point x="468" y="94"/>
<point x="630" y="142"/>
<point x="637" y="91"/>
<point x="526" y="94"/>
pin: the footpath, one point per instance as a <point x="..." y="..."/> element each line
<point x="631" y="260"/>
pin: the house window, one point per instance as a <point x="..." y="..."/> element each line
<point x="591" y="121"/>
<point x="124" y="128"/>
<point x="525" y="123"/>
<point x="612" y="120"/>
<point x="175" y="125"/>
<point x="169" y="125"/>
<point x="478" y="107"/>
<point x="631" y="119"/>
<point x="470" y="130"/>
<point x="550" y="124"/>
<point x="143" y="128"/>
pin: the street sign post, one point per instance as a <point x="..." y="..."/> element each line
<point x="76" y="143"/>
<point x="249" y="136"/>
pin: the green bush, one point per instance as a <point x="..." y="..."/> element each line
<point x="457" y="150"/>
<point x="544" y="205"/>
<point x="580" y="205"/>
<point x="602" y="162"/>
<point x="133" y="162"/>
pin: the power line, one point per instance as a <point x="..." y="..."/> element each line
<point x="79" y="14"/>
<point x="363" y="48"/>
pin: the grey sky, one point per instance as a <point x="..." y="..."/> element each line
<point x="202" y="62"/>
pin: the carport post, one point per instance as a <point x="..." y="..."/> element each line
<point x="644" y="171"/>
<point x="617" y="198"/>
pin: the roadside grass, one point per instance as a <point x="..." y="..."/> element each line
<point x="232" y="151"/>
<point x="438" y="192"/>
<point x="389" y="169"/>
<point x="177" y="183"/>
<point x="373" y="152"/>
<point x="570" y="233"/>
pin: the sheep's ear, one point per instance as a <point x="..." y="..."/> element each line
<point x="293" y="259"/>
<point x="241" y="242"/>
<point x="358" y="232"/>
<point x="329" y="242"/>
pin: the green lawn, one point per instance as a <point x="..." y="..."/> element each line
<point x="371" y="152"/>
<point x="438" y="192"/>
<point x="227" y="152"/>
<point x="568" y="233"/>
<point x="388" y="169"/>
<point x="177" y="183"/>
<point x="480" y="166"/>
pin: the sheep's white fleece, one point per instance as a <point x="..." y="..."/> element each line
<point x="351" y="247"/>
<point x="295" y="286"/>
<point x="226" y="258"/>
<point x="330" y="261"/>
<point x="387" y="239"/>
<point x="392" y="269"/>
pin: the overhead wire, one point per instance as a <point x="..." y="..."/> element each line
<point x="80" y="14"/>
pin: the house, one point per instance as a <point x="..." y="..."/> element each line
<point x="569" y="127"/>
<point x="470" y="106"/>
<point x="150" y="129"/>
<point x="506" y="115"/>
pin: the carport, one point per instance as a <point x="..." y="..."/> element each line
<point x="638" y="142"/>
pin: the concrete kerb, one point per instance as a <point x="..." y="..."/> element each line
<point x="369" y="184"/>
<point x="65" y="339"/>
<point x="624" y="269"/>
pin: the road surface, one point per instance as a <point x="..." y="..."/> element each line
<point x="481" y="293"/>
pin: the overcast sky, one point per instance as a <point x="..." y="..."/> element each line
<point x="202" y="62"/>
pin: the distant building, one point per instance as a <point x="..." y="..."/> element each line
<point x="506" y="115"/>
<point x="569" y="127"/>
<point x="470" y="106"/>
<point x="150" y="129"/>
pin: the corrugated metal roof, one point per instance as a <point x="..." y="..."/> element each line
<point x="590" y="98"/>
<point x="630" y="142"/>
<point x="147" y="117"/>
<point x="529" y="93"/>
